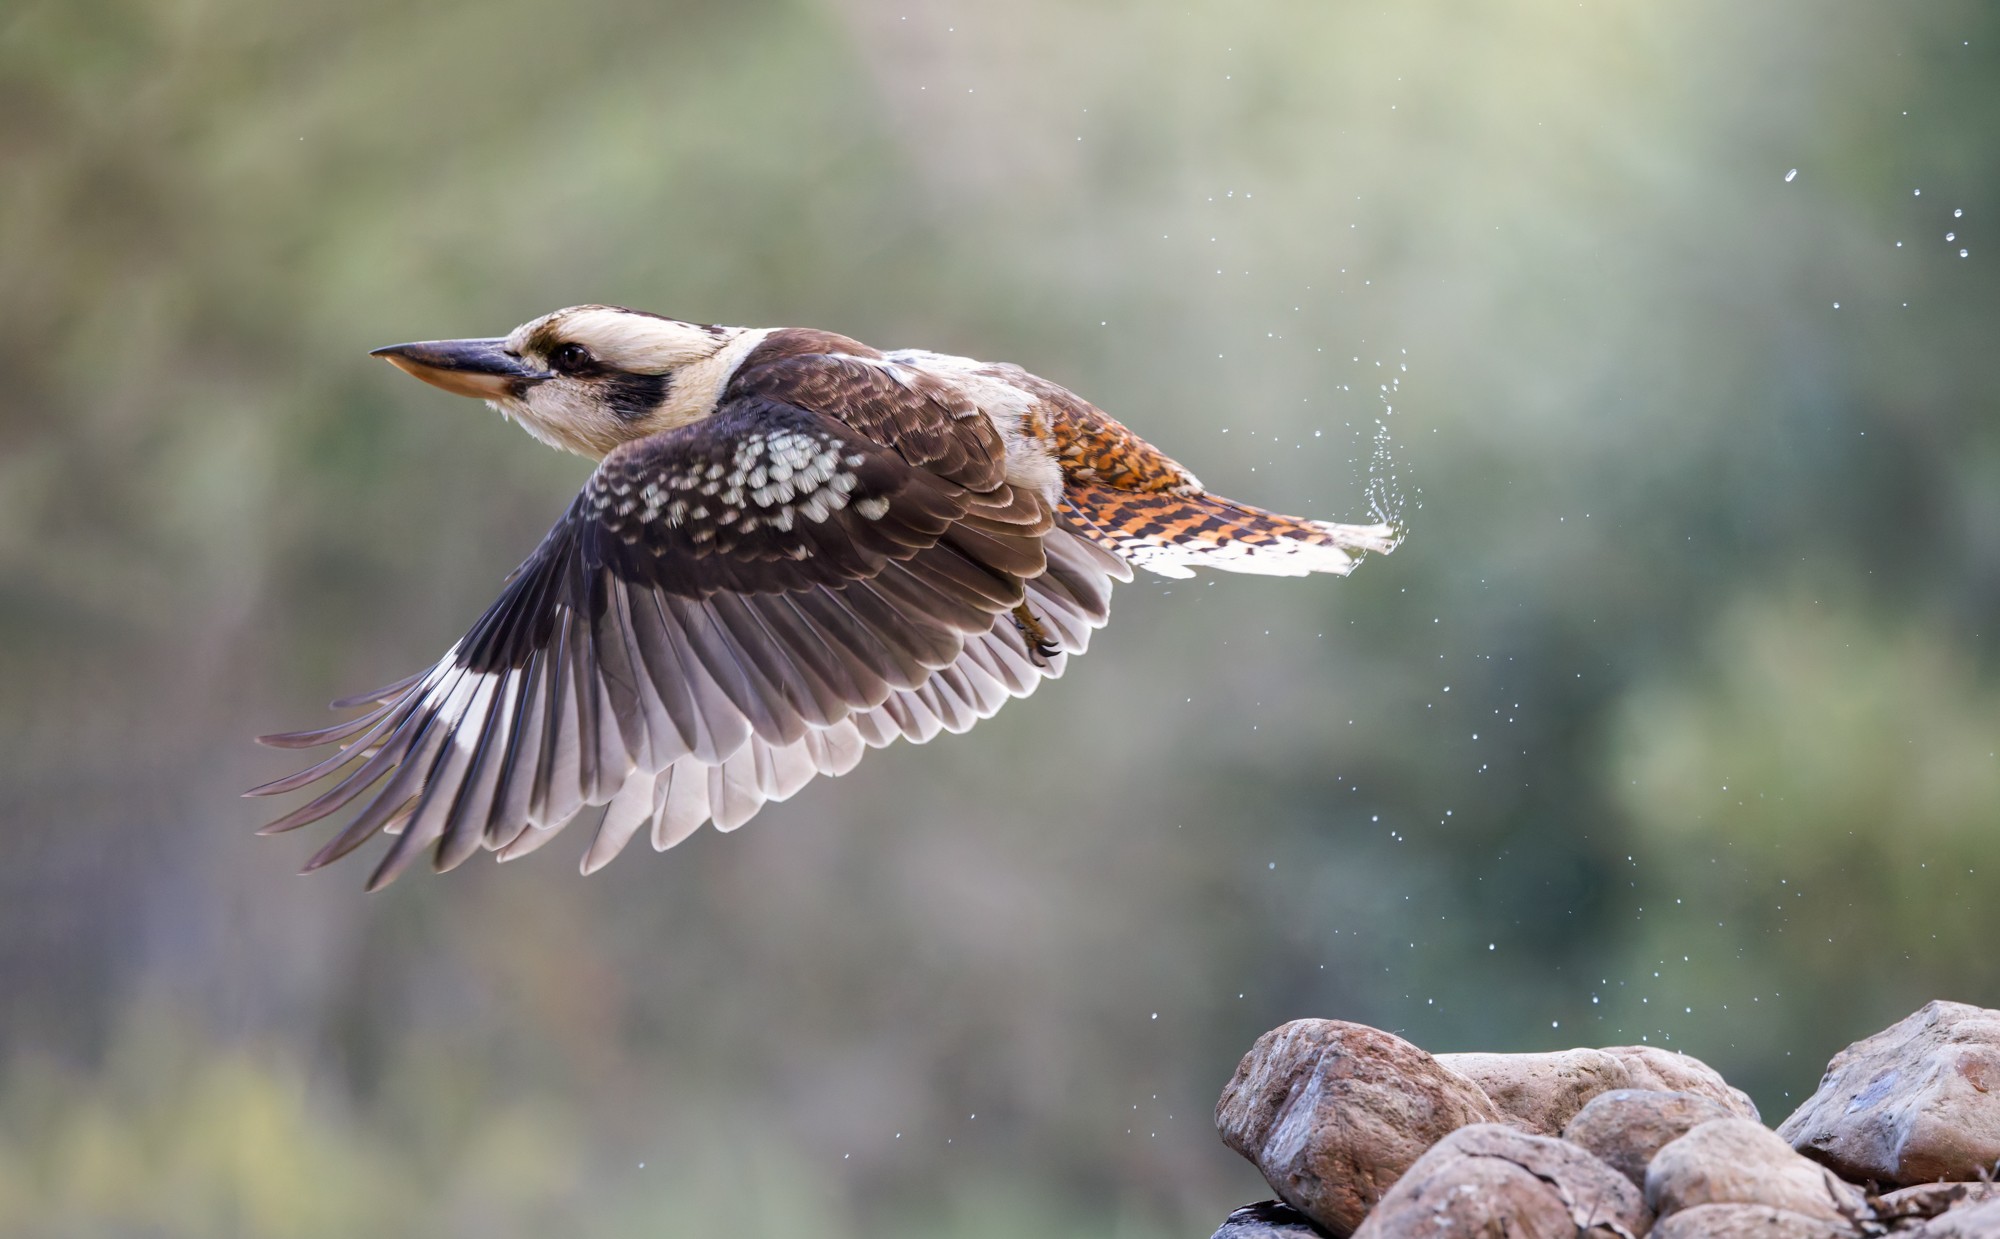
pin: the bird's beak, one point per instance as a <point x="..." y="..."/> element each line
<point x="482" y="369"/>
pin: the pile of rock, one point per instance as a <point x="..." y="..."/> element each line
<point x="1361" y="1133"/>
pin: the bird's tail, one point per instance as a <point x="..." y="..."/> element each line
<point x="1173" y="534"/>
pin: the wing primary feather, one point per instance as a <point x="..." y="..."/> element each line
<point x="583" y="678"/>
<point x="331" y="733"/>
<point x="733" y="673"/>
<point x="918" y="641"/>
<point x="388" y="692"/>
<point x="520" y="770"/>
<point x="913" y="716"/>
<point x="732" y="790"/>
<point x="949" y="591"/>
<point x="664" y="671"/>
<point x="719" y="728"/>
<point x="386" y="758"/>
<point x="330" y="801"/>
<point x="629" y="810"/>
<point x="821" y="671"/>
<point x="530" y="838"/>
<point x="790" y="656"/>
<point x="465" y="730"/>
<point x="839" y="749"/>
<point x="406" y="781"/>
<point x="504" y="638"/>
<point x="464" y="825"/>
<point x="783" y="771"/>
<point x="681" y="796"/>
<point x="848" y="628"/>
<point x="442" y="773"/>
<point x="556" y="797"/>
<point x="614" y="698"/>
<point x="352" y="752"/>
<point x="650" y="734"/>
<point x="767" y="670"/>
<point x="849" y="678"/>
<point x="950" y="697"/>
<point x="617" y="691"/>
<point x="983" y="691"/>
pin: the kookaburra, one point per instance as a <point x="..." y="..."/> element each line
<point x="795" y="548"/>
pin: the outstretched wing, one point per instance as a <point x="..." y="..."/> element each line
<point x="725" y="610"/>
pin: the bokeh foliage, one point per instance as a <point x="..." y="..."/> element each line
<point x="1674" y="719"/>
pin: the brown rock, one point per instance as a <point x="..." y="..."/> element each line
<point x="1927" y="1200"/>
<point x="1542" y="1092"/>
<point x="1333" y="1113"/>
<point x="1493" y="1179"/>
<point x="1649" y="1066"/>
<point x="1916" y="1102"/>
<point x="1267" y="1219"/>
<point x="1736" y="1161"/>
<point x="1624" y="1128"/>
<point x="1747" y="1222"/>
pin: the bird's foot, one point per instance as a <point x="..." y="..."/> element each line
<point x="1040" y="648"/>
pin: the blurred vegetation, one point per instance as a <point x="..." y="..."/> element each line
<point x="1673" y="721"/>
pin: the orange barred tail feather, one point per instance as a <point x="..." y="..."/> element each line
<point x="1173" y="534"/>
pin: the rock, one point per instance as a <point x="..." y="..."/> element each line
<point x="1542" y="1092"/>
<point x="1916" y="1102"/>
<point x="1333" y="1113"/>
<point x="1746" y="1222"/>
<point x="1980" y="1221"/>
<point x="1267" y="1219"/>
<point x="1927" y="1200"/>
<point x="1736" y="1161"/>
<point x="1492" y="1179"/>
<point x="1649" y="1066"/>
<point x="1625" y="1127"/>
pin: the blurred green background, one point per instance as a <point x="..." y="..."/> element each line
<point x="1675" y="720"/>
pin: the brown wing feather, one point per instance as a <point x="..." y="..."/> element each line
<point x="927" y="421"/>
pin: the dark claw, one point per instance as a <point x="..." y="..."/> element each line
<point x="1040" y="648"/>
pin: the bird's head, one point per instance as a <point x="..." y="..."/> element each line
<point x="589" y="377"/>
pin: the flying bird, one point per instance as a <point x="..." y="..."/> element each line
<point x="794" y="548"/>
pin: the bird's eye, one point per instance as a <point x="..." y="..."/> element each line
<point x="569" y="358"/>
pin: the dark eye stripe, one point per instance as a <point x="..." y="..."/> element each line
<point x="633" y="396"/>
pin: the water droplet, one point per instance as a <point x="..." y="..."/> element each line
<point x="1965" y="253"/>
<point x="1959" y="213"/>
<point x="1790" y="175"/>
